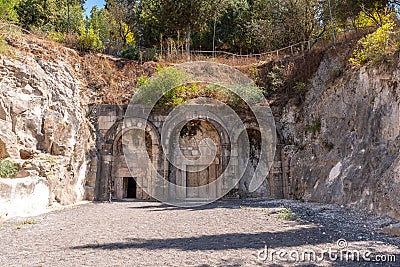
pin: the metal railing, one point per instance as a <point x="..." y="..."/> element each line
<point x="294" y="49"/>
<point x="179" y="55"/>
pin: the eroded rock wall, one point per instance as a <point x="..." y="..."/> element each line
<point x="340" y="145"/>
<point x="43" y="125"/>
<point x="343" y="143"/>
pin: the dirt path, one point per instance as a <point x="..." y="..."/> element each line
<point x="226" y="233"/>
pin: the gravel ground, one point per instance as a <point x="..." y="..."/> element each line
<point x="227" y="233"/>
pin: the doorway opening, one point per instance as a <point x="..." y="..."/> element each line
<point x="131" y="187"/>
<point x="195" y="139"/>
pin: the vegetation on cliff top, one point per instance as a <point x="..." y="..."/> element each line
<point x="125" y="27"/>
<point x="168" y="89"/>
<point x="378" y="45"/>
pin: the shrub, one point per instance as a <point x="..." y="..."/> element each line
<point x="287" y="214"/>
<point x="314" y="127"/>
<point x="150" y="90"/>
<point x="89" y="39"/>
<point x="254" y="73"/>
<point x="141" y="80"/>
<point x="56" y="36"/>
<point x="131" y="52"/>
<point x="374" y="46"/>
<point x="150" y="55"/>
<point x="7" y="10"/>
<point x="276" y="78"/>
<point x="7" y="169"/>
<point x="3" y="45"/>
<point x="300" y="86"/>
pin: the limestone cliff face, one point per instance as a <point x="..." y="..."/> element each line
<point x="46" y="91"/>
<point x="43" y="128"/>
<point x="343" y="143"/>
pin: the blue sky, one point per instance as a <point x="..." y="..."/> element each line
<point x="90" y="3"/>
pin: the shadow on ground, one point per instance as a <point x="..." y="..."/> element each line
<point x="316" y="223"/>
<point x="237" y="241"/>
<point x="292" y="238"/>
<point x="225" y="204"/>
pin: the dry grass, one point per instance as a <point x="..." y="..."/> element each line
<point x="109" y="80"/>
<point x="105" y="79"/>
<point x="219" y="58"/>
<point x="113" y="80"/>
<point x="26" y="222"/>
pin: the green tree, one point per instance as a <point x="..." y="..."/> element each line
<point x="349" y="10"/>
<point x="376" y="45"/>
<point x="104" y="23"/>
<point x="69" y="22"/>
<point x="7" y="10"/>
<point x="150" y="17"/>
<point x="171" y="17"/>
<point x="36" y="13"/>
<point x="89" y="39"/>
<point x="232" y="27"/>
<point x="51" y="15"/>
<point x="188" y="15"/>
<point x="228" y="23"/>
<point x="276" y="23"/>
<point x="123" y="13"/>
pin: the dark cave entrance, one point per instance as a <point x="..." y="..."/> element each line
<point x="131" y="187"/>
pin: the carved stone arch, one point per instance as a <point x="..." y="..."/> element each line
<point x="121" y="175"/>
<point x="150" y="127"/>
<point x="223" y="134"/>
<point x="116" y="130"/>
<point x="193" y="175"/>
<point x="111" y="134"/>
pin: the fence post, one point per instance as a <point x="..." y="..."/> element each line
<point x="291" y="49"/>
<point x="309" y="45"/>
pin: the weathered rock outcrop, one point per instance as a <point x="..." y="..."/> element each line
<point x="43" y="127"/>
<point x="46" y="91"/>
<point x="343" y="142"/>
<point x="340" y="145"/>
